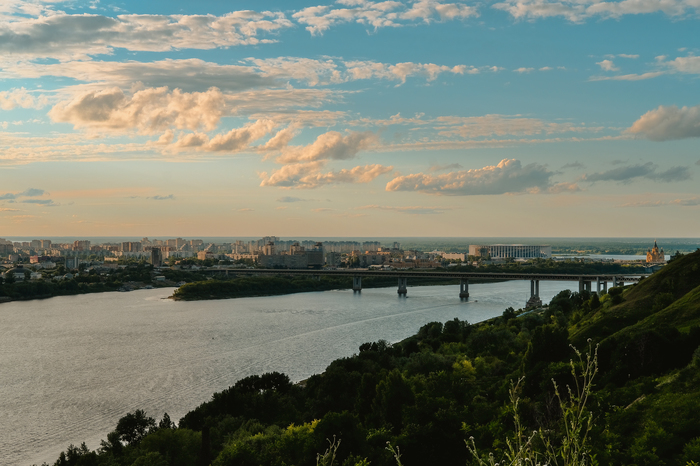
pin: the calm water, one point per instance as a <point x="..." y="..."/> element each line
<point x="70" y="367"/>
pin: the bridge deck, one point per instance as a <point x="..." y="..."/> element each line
<point x="629" y="278"/>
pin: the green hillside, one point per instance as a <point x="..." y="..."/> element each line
<point x="444" y="396"/>
<point x="650" y="296"/>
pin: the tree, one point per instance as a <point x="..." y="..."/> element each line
<point x="134" y="426"/>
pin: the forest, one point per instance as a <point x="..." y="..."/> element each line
<point x="586" y="380"/>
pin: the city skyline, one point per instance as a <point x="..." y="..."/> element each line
<point x="354" y="118"/>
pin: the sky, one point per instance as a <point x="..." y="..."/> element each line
<point x="543" y="118"/>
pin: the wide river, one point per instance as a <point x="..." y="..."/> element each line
<point x="70" y="367"/>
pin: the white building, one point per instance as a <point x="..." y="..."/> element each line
<point x="516" y="251"/>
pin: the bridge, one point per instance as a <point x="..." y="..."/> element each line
<point x="585" y="281"/>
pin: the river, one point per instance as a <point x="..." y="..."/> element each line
<point x="71" y="366"/>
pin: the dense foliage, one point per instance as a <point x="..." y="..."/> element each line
<point x="282" y="284"/>
<point x="79" y="283"/>
<point x="433" y="391"/>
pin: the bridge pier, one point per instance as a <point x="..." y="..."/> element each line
<point x="464" y="288"/>
<point x="402" y="286"/>
<point x="604" y="287"/>
<point x="534" y="300"/>
<point x="584" y="285"/>
<point x="356" y="283"/>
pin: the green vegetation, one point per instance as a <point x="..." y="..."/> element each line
<point x="281" y="284"/>
<point x="453" y="390"/>
<point x="79" y="283"/>
<point x="246" y="286"/>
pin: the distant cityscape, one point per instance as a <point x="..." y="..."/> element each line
<point x="267" y="252"/>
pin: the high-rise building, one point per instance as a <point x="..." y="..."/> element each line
<point x="156" y="257"/>
<point x="81" y="245"/>
<point x="131" y="247"/>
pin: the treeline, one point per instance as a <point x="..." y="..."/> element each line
<point x="569" y="266"/>
<point x="266" y="285"/>
<point x="80" y="283"/>
<point x="450" y="382"/>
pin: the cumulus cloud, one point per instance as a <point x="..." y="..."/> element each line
<point x="331" y="145"/>
<point x="649" y="170"/>
<point x="400" y="71"/>
<point x="148" y="111"/>
<point x="63" y="36"/>
<point x="21" y="98"/>
<point x="575" y="11"/>
<point x="509" y="176"/>
<point x="235" y="140"/>
<point x="689" y="64"/>
<point x="667" y="123"/>
<point x="607" y="65"/>
<point x="319" y="19"/>
<point x="309" y="175"/>
<point x="522" y="70"/>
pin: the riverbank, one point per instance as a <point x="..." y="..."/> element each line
<point x="427" y="394"/>
<point x="248" y="287"/>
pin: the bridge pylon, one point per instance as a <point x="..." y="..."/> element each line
<point x="356" y="284"/>
<point x="464" y="288"/>
<point x="403" y="281"/>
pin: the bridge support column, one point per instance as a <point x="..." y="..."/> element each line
<point x="356" y="283"/>
<point x="402" y="286"/>
<point x="464" y="288"/>
<point x="614" y="282"/>
<point x="534" y="300"/>
<point x="605" y="286"/>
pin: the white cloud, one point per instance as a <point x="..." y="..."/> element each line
<point x="309" y="175"/>
<point x="667" y="123"/>
<point x="328" y="71"/>
<point x="502" y="125"/>
<point x="522" y="70"/>
<point x="509" y="176"/>
<point x="399" y="71"/>
<point x="235" y="140"/>
<point x="607" y="65"/>
<point x="148" y="111"/>
<point x="630" y="77"/>
<point x="576" y="11"/>
<point x="21" y="98"/>
<point x="187" y="74"/>
<point x="330" y="145"/>
<point x="64" y="36"/>
<point x="319" y="19"/>
<point x="689" y="64"/>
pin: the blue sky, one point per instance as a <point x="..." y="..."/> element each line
<point x="350" y="118"/>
